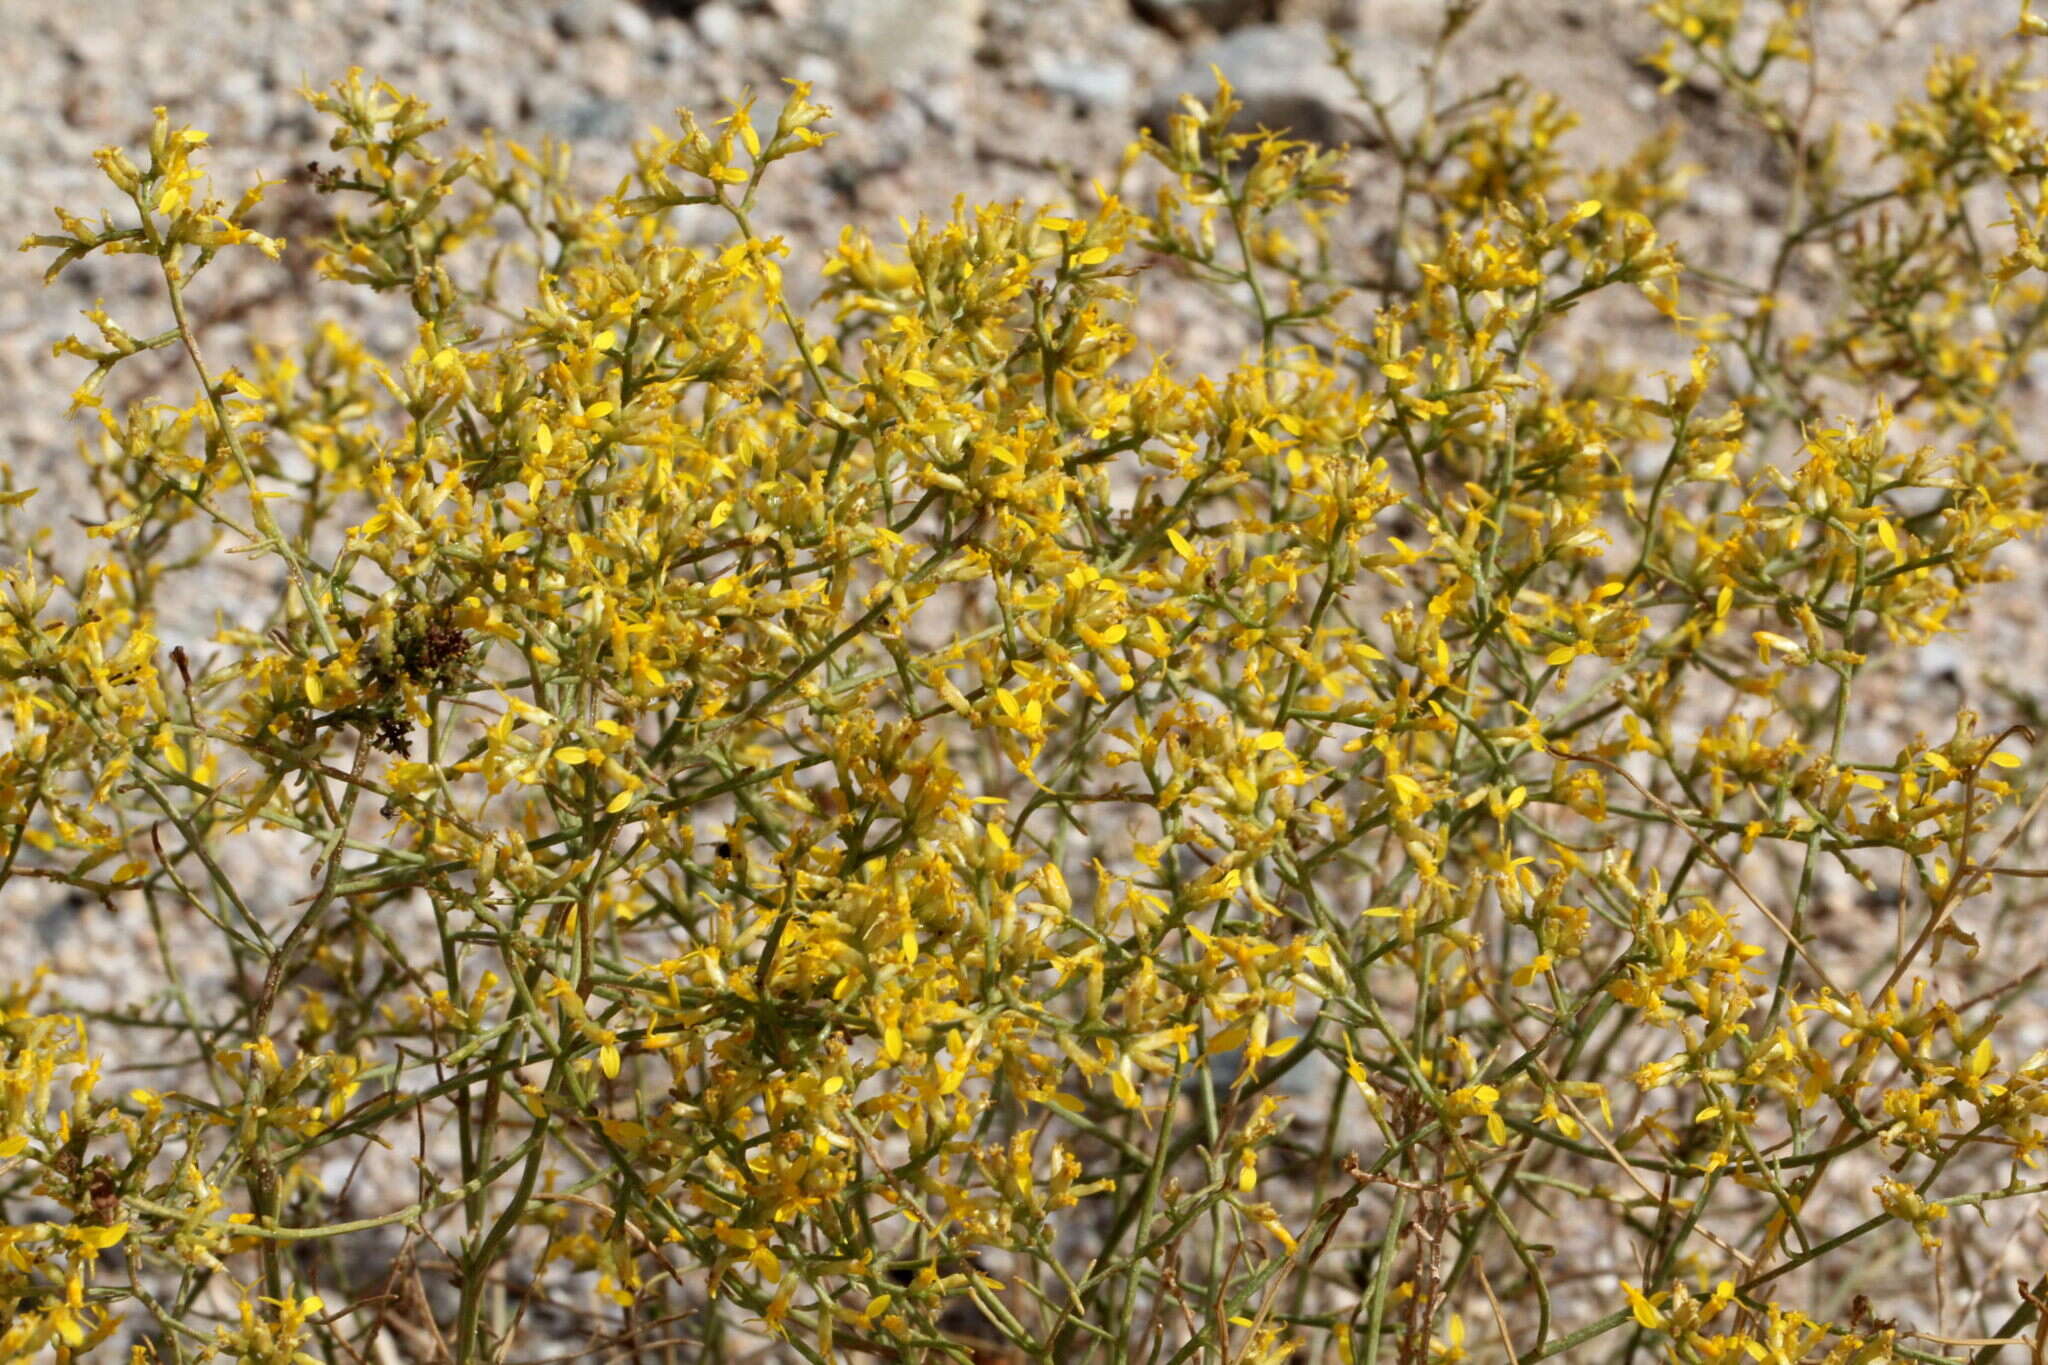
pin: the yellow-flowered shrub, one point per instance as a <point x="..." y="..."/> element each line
<point x="926" y="827"/>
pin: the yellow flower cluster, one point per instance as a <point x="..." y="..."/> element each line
<point x="920" y="826"/>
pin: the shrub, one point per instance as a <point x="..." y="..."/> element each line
<point x="917" y="827"/>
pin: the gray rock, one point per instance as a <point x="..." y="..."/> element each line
<point x="718" y="25"/>
<point x="1388" y="60"/>
<point x="896" y="42"/>
<point x="484" y="102"/>
<point x="246" y="91"/>
<point x="1088" y="84"/>
<point x="630" y="23"/>
<point x="818" y="69"/>
<point x="1416" y="20"/>
<point x="574" y="19"/>
<point x="1282" y="74"/>
<point x="598" y="117"/>
<point x="1719" y="199"/>
<point x="456" y="37"/>
<point x="1940" y="664"/>
<point x="673" y="43"/>
<point x="386" y="49"/>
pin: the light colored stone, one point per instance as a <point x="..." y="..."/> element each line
<point x="1719" y="198"/>
<point x="718" y="25"/>
<point x="575" y="19"/>
<point x="818" y="69"/>
<point x="1413" y="20"/>
<point x="592" y="117"/>
<point x="1091" y="85"/>
<point x="630" y="23"/>
<point x="891" y="42"/>
<point x="1940" y="664"/>
<point x="1283" y="75"/>
<point x="457" y="37"/>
